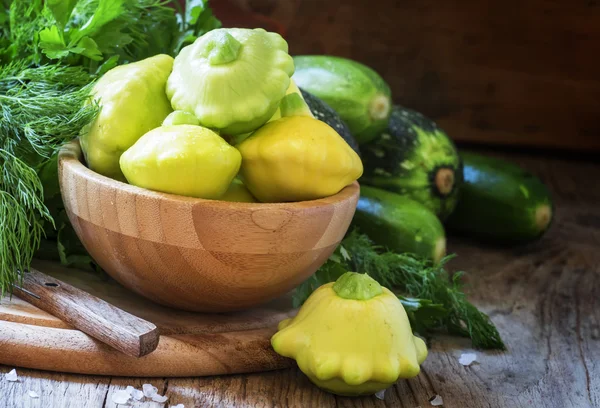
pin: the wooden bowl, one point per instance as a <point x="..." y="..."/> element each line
<point x="200" y="255"/>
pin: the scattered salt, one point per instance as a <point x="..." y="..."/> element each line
<point x="137" y="395"/>
<point x="380" y="394"/>
<point x="178" y="406"/>
<point x="436" y="401"/>
<point x="121" y="397"/>
<point x="159" y="398"/>
<point x="33" y="394"/>
<point x="149" y="390"/>
<point x="11" y="376"/>
<point x="467" y="359"/>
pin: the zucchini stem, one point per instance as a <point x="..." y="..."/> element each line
<point x="543" y="216"/>
<point x="380" y="106"/>
<point x="444" y="181"/>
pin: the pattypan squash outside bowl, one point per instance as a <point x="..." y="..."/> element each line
<point x="196" y="254"/>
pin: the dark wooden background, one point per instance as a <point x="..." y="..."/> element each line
<point x="511" y="72"/>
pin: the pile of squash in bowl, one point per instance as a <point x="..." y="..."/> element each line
<point x="222" y="121"/>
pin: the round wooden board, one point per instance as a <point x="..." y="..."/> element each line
<point x="191" y="344"/>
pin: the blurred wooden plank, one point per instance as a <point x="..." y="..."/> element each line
<point x="512" y="72"/>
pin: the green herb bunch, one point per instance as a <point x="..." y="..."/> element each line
<point x="51" y="51"/>
<point x="433" y="301"/>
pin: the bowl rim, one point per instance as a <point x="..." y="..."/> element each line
<point x="71" y="156"/>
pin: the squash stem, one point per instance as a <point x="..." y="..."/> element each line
<point x="357" y="286"/>
<point x="224" y="48"/>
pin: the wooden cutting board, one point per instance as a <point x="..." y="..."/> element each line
<point x="191" y="344"/>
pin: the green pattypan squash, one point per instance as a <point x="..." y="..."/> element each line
<point x="132" y="101"/>
<point x="231" y="79"/>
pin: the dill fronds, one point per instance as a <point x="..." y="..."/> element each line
<point x="40" y="109"/>
<point x="434" y="301"/>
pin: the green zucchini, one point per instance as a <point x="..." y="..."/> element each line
<point x="356" y="92"/>
<point x="500" y="202"/>
<point x="414" y="157"/>
<point x="399" y="223"/>
<point x="325" y="113"/>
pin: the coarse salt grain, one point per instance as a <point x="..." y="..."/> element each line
<point x="436" y="401"/>
<point x="11" y="376"/>
<point x="178" y="406"/>
<point x="159" y="398"/>
<point x="121" y="397"/>
<point x="137" y="395"/>
<point x="380" y="394"/>
<point x="149" y="390"/>
<point x="33" y="394"/>
<point x="467" y="359"/>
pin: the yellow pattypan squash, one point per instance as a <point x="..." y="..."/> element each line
<point x="297" y="158"/>
<point x="352" y="337"/>
<point x="182" y="159"/>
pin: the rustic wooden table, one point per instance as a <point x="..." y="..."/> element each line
<point x="543" y="298"/>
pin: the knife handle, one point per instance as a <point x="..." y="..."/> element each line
<point x="99" y="319"/>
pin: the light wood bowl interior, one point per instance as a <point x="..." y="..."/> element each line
<point x="200" y="255"/>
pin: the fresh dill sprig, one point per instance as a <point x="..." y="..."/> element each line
<point x="22" y="212"/>
<point x="40" y="109"/>
<point x="434" y="301"/>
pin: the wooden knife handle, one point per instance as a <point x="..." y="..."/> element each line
<point x="93" y="316"/>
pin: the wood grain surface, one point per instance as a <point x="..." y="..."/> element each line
<point x="101" y="320"/>
<point x="200" y="255"/>
<point x="190" y="343"/>
<point x="543" y="297"/>
<point x="503" y="72"/>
